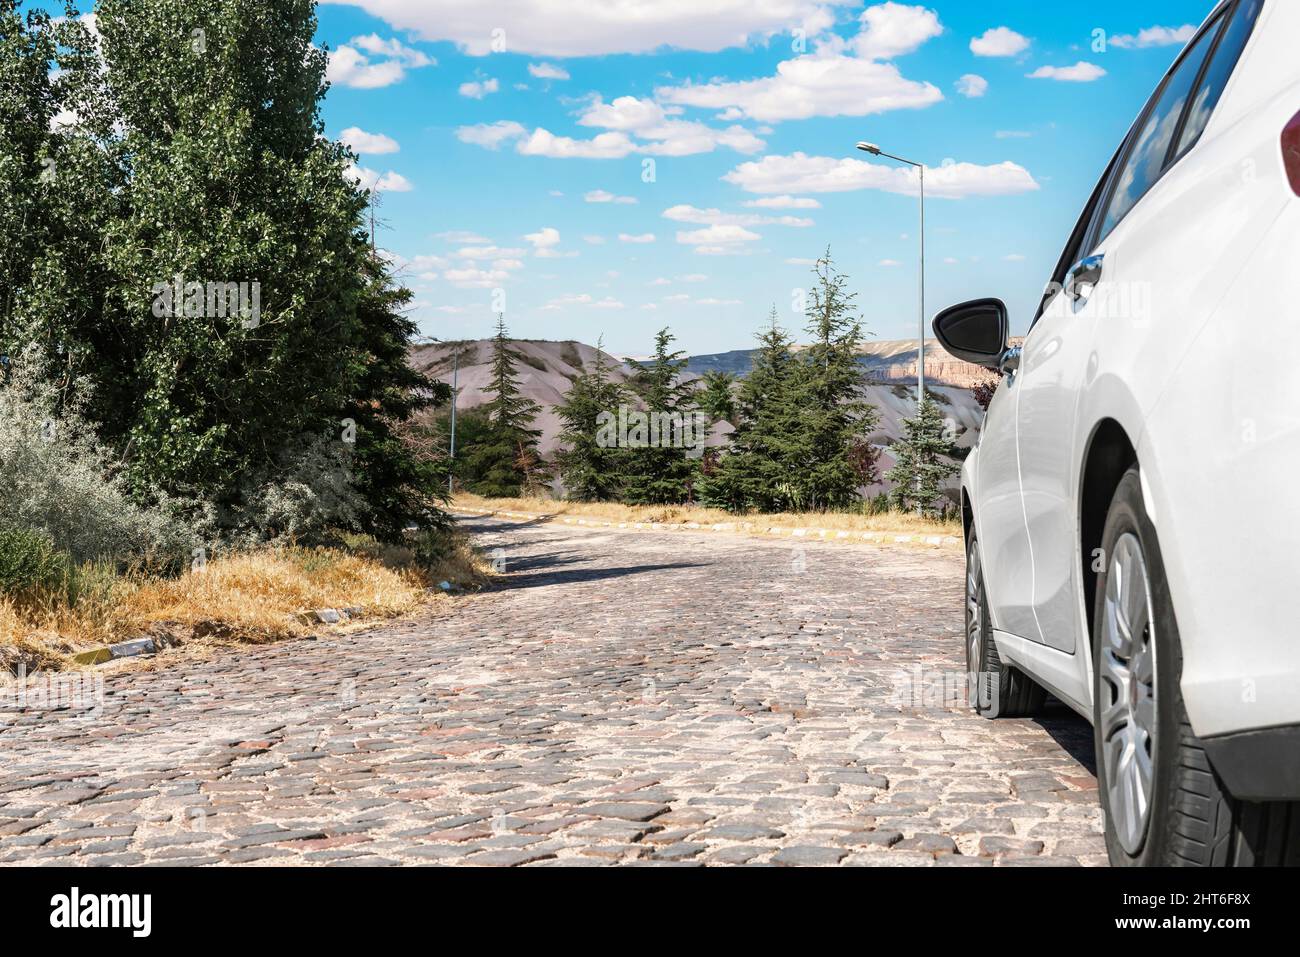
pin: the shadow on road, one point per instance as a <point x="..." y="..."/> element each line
<point x="542" y="578"/>
<point x="1070" y="731"/>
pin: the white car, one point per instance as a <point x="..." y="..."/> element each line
<point x="1132" y="509"/>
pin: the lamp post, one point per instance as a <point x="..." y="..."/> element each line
<point x="875" y="150"/>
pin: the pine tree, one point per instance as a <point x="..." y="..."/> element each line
<point x="660" y="470"/>
<point x="922" y="462"/>
<point x="592" y="470"/>
<point x="755" y="473"/>
<point x="716" y="396"/>
<point x="506" y="462"/>
<point x="835" y="420"/>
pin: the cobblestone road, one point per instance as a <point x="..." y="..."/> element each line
<point x="626" y="697"/>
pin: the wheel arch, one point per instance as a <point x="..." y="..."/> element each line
<point x="1110" y="454"/>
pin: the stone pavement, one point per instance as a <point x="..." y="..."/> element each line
<point x="624" y="697"/>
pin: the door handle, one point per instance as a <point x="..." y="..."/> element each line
<point x="1087" y="272"/>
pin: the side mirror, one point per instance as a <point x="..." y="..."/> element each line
<point x="975" y="331"/>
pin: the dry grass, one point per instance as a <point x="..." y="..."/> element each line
<point x="256" y="597"/>
<point x="890" y="522"/>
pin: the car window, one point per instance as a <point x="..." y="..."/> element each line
<point x="1224" y="61"/>
<point x="1146" y="158"/>
<point x="1072" y="248"/>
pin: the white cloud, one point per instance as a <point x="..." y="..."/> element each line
<point x="1081" y="72"/>
<point x="999" y="41"/>
<point x="801" y="173"/>
<point x="601" y="196"/>
<point x="718" y="302"/>
<point x="582" y="299"/>
<point x="657" y="132"/>
<point x="544" y="242"/>
<point x="667" y="135"/>
<point x="543" y="142"/>
<point x="491" y="135"/>
<point x="477" y="89"/>
<point x="889" y="263"/>
<point x="1012" y="135"/>
<point x="816" y="84"/>
<point x="716" y="217"/>
<point x="597" y="27"/>
<point x="373" y="143"/>
<point x="1155" y="37"/>
<point x="548" y="71"/>
<point x="1013" y="258"/>
<point x="638" y="238"/>
<point x="477" y="253"/>
<point x="717" y="236"/>
<point x="388" y="182"/>
<point x="891" y="30"/>
<point x="972" y="85"/>
<point x="349" y="66"/>
<point x="783" y="202"/>
<point x="474" y="278"/>
<point x="375" y="45"/>
<point x="594" y="240"/>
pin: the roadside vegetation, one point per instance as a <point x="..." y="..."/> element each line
<point x="206" y="409"/>
<point x="802" y="440"/>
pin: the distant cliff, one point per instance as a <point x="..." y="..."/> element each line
<point x="885" y="361"/>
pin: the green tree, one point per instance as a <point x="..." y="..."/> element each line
<point x="591" y="468"/>
<point x="922" y="462"/>
<point x="506" y="461"/>
<point x="195" y="155"/>
<point x="716" y="396"/>
<point x="756" y="473"/>
<point x="660" y="469"/>
<point x="834" y="419"/>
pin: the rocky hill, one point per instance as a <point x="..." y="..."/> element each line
<point x="548" y="368"/>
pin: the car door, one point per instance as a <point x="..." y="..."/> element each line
<point x="1000" y="519"/>
<point x="1059" y="360"/>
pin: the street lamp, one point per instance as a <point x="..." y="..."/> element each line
<point x="875" y="150"/>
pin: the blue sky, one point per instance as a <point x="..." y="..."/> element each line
<point x="510" y="141"/>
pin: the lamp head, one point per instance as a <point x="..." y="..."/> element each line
<point x="871" y="148"/>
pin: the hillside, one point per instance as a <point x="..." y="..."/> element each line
<point x="548" y="368"/>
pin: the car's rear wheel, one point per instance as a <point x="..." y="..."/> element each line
<point x="1162" y="802"/>
<point x="996" y="689"/>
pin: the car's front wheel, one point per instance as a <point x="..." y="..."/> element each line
<point x="996" y="689"/>
<point x="1163" y="804"/>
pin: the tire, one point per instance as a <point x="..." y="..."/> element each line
<point x="1187" y="818"/>
<point x="996" y="689"/>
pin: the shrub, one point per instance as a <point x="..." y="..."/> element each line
<point x="29" y="562"/>
<point x="59" y="482"/>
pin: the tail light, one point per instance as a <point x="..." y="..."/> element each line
<point x="1291" y="152"/>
